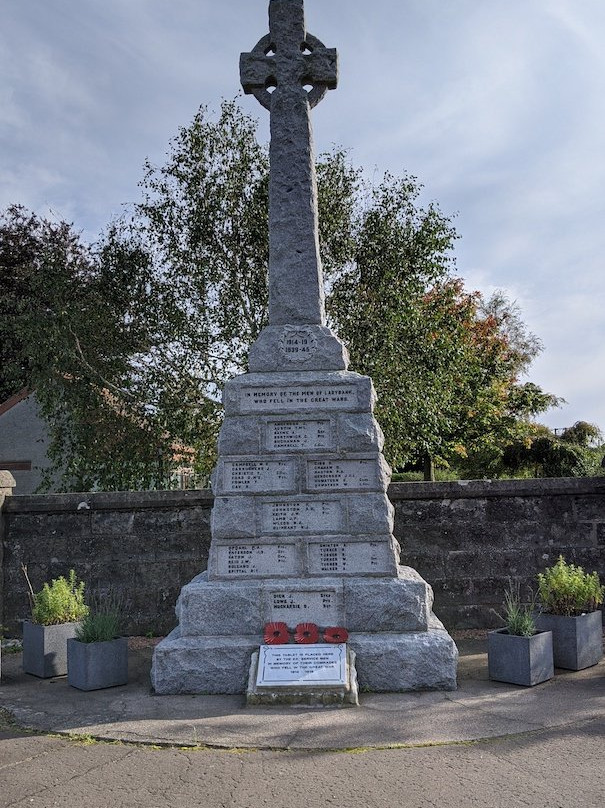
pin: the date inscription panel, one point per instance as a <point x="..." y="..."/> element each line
<point x="288" y="517"/>
<point x="258" y="475"/>
<point x="342" y="474"/>
<point x="249" y="560"/>
<point x="322" y="607"/>
<point x="333" y="558"/>
<point x="298" y="397"/>
<point x="291" y="436"/>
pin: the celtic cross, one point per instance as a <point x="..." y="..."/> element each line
<point x="277" y="72"/>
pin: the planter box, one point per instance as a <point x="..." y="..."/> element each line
<point x="520" y="660"/>
<point x="45" y="648"/>
<point x="94" y="665"/>
<point x="577" y="641"/>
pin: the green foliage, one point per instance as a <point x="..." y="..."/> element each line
<point x="582" y="434"/>
<point x="128" y="343"/>
<point x="102" y="623"/>
<point x="518" y="616"/>
<point x="565" y="589"/>
<point x="60" y="602"/>
<point x="543" y="454"/>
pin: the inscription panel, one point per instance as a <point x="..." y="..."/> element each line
<point x="342" y="474"/>
<point x="372" y="557"/>
<point x="284" y="436"/>
<point x="324" y="516"/>
<point x="323" y="607"/>
<point x="256" y="559"/>
<point x="302" y="665"/>
<point x="297" y="397"/>
<point x="258" y="475"/>
<point x="297" y="345"/>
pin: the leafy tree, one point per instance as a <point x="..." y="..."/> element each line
<point x="77" y="319"/>
<point x="582" y="434"/>
<point x="146" y="326"/>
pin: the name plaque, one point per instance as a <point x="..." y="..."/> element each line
<point x="292" y="435"/>
<point x="298" y="397"/>
<point x="350" y="557"/>
<point x="335" y="474"/>
<point x="292" y="607"/>
<point x="293" y="517"/>
<point x="258" y="475"/>
<point x="302" y="665"/>
<point x="257" y="559"/>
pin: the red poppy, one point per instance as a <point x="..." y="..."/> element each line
<point x="336" y="634"/>
<point x="306" y="633"/>
<point x="276" y="633"/>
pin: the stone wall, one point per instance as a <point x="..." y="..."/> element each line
<point x="145" y="544"/>
<point x="466" y="539"/>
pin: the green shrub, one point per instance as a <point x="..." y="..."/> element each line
<point x="102" y="623"/>
<point x="518" y="616"/>
<point x="565" y="589"/>
<point x="60" y="602"/>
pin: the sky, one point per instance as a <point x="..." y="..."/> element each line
<point x="496" y="106"/>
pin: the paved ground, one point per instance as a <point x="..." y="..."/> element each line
<point x="538" y="747"/>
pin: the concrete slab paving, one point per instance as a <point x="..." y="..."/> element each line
<point x="479" y="709"/>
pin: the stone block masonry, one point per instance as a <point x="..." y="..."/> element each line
<point x="467" y="539"/>
<point x="144" y="545"/>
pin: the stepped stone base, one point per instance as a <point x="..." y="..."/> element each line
<point x="302" y="531"/>
<point x="399" y="644"/>
<point x="212" y="608"/>
<point x="385" y="662"/>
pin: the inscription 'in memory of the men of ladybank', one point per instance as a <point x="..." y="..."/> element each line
<point x="292" y="435"/>
<point x="255" y="399"/>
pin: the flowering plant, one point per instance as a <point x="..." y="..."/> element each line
<point x="306" y="633"/>
<point x="276" y="634"/>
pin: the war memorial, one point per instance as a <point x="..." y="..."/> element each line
<point x="302" y="528"/>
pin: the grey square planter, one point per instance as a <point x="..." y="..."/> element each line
<point x="577" y="641"/>
<point x="94" y="665"/>
<point x="45" y="648"/>
<point x="520" y="660"/>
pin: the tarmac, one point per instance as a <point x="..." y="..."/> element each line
<point x="478" y="709"/>
<point x="486" y="745"/>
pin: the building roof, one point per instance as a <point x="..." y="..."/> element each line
<point x="10" y="402"/>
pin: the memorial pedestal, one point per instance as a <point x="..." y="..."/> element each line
<point x="302" y="531"/>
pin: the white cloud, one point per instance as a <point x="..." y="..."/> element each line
<point x="498" y="106"/>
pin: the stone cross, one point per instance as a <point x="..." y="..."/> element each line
<point x="278" y="72"/>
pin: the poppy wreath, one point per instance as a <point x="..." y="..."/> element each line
<point x="306" y="633"/>
<point x="276" y="634"/>
<point x="336" y="634"/>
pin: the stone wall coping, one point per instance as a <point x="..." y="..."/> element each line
<point x="458" y="489"/>
<point x="485" y="489"/>
<point x="108" y="501"/>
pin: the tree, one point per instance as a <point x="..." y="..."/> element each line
<point x="582" y="433"/>
<point x="175" y="292"/>
<point x="542" y="453"/>
<point x="77" y="319"/>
